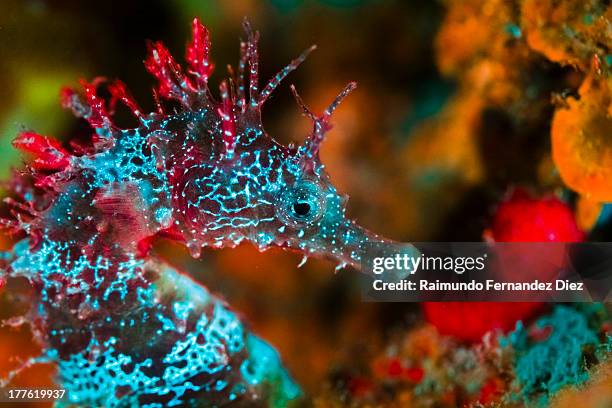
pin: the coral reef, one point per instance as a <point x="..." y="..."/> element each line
<point x="547" y="365"/>
<point x="527" y="367"/>
<point x="527" y="73"/>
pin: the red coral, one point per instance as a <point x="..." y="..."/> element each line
<point x="491" y="390"/>
<point x="520" y="218"/>
<point x="395" y="369"/>
<point x="526" y="219"/>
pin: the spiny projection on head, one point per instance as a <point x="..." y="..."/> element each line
<point x="122" y="326"/>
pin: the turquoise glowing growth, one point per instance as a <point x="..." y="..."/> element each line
<point x="123" y="327"/>
<point x="544" y="367"/>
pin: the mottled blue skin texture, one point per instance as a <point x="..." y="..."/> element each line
<point x="151" y="337"/>
<point x="251" y="196"/>
<point x="124" y="328"/>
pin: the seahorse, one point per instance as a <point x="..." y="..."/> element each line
<point x="123" y="327"/>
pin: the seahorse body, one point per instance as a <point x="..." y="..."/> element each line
<point x="126" y="329"/>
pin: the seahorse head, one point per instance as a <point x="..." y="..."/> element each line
<point x="235" y="183"/>
<point x="208" y="171"/>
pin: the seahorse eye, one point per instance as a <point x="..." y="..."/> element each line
<point x="301" y="208"/>
<point x="302" y="203"/>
